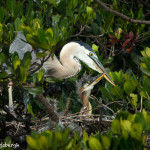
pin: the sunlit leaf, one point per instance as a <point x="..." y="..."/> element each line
<point x="105" y="142"/>
<point x="134" y="99"/>
<point x="129" y="87"/>
<point x="32" y="142"/>
<point x="29" y="108"/>
<point x="95" y="47"/>
<point x="94" y="144"/>
<point x="35" y="90"/>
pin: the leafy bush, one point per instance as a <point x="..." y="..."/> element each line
<point x="128" y="131"/>
<point x="48" y="25"/>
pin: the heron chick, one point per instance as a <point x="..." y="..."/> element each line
<point x="85" y="87"/>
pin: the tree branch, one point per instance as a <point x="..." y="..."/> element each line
<point x="9" y="113"/>
<point x="49" y="108"/>
<point x="122" y="15"/>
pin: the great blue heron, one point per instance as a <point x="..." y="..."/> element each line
<point x="84" y="90"/>
<point x="70" y="56"/>
<point x="69" y="63"/>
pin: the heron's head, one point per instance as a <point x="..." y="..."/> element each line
<point x="88" y="56"/>
<point x="87" y="84"/>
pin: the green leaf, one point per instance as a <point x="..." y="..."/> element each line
<point x="140" y="13"/>
<point x="117" y="77"/>
<point x="3" y="74"/>
<point x="16" y="64"/>
<point x="40" y="75"/>
<point x="118" y="33"/>
<point x="32" y="142"/>
<point x="143" y="94"/>
<point x="95" y="144"/>
<point x="41" y="35"/>
<point x="49" y="136"/>
<point x="105" y="142"/>
<point x="50" y="30"/>
<point x="108" y="22"/>
<point x="1" y="14"/>
<point x="8" y="141"/>
<point x="15" y="60"/>
<point x="69" y="13"/>
<point x="106" y="93"/>
<point x="99" y="20"/>
<point x="126" y="128"/>
<point x="89" y="10"/>
<point x="95" y="47"/>
<point x="85" y="137"/>
<point x="134" y="100"/>
<point x="55" y="20"/>
<point x="137" y="130"/>
<point x="35" y="90"/>
<point x="116" y="91"/>
<point x="29" y="108"/>
<point x="116" y="127"/>
<point x="2" y="59"/>
<point x="17" y="23"/>
<point x="74" y="3"/>
<point x="49" y="35"/>
<point x="23" y="74"/>
<point x="139" y="118"/>
<point x="37" y="23"/>
<point x="129" y="87"/>
<point x="146" y="52"/>
<point x="11" y="4"/>
<point x="29" y="38"/>
<point x="64" y="23"/>
<point x="95" y="28"/>
<point x="145" y="71"/>
<point x="43" y="142"/>
<point x="26" y="61"/>
<point x="41" y="55"/>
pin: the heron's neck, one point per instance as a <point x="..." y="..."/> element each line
<point x="67" y="66"/>
<point x="70" y="66"/>
<point x="84" y="96"/>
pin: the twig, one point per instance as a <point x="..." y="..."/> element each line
<point x="92" y="36"/>
<point x="108" y="108"/>
<point x="81" y="29"/>
<point x="39" y="65"/>
<point x="122" y="15"/>
<point x="16" y="119"/>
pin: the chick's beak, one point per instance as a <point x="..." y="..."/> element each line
<point x="92" y="81"/>
<point x="101" y="70"/>
<point x="96" y="79"/>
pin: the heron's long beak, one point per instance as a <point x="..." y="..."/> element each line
<point x="101" y="69"/>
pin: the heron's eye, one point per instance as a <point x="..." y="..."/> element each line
<point x="90" y="54"/>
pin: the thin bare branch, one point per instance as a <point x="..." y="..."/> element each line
<point x="49" y="108"/>
<point x="122" y="15"/>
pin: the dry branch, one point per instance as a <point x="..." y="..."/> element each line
<point x="49" y="108"/>
<point x="122" y="15"/>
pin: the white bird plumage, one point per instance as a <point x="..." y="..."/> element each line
<point x="70" y="56"/>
